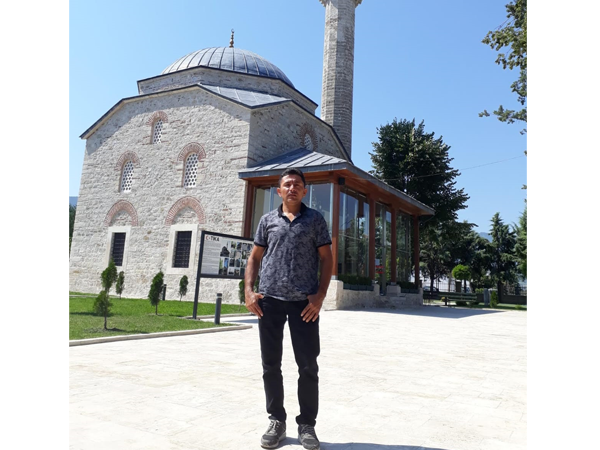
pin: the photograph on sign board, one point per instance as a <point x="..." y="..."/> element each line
<point x="224" y="252"/>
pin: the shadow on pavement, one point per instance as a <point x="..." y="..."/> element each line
<point x="369" y="446"/>
<point x="442" y="312"/>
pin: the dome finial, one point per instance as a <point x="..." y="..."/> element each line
<point x="231" y="41"/>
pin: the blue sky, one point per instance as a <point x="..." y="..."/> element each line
<point x="421" y="60"/>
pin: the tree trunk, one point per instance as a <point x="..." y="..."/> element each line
<point x="157" y="309"/>
<point x="105" y="323"/>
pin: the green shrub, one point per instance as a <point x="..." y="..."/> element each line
<point x="120" y="285"/>
<point x="183" y="285"/>
<point x="102" y="306"/>
<point x="355" y="280"/>
<point x="460" y="303"/>
<point x="493" y="299"/>
<point x="407" y="285"/>
<point x="520" y="307"/>
<point x="156" y="289"/>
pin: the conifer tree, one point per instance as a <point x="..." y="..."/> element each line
<point x="156" y="289"/>
<point x="503" y="264"/>
<point x="120" y="285"/>
<point x="183" y="286"/>
<point x="102" y="304"/>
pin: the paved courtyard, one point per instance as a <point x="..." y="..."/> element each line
<point x="432" y="378"/>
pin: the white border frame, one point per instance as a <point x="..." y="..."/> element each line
<point x="193" y="227"/>
<point x="111" y="230"/>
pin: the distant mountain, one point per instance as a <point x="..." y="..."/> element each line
<point x="73" y="201"/>
<point x="486" y="236"/>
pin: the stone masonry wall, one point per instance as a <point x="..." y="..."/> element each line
<point x="220" y="130"/>
<point x="278" y="129"/>
<point x="225" y="79"/>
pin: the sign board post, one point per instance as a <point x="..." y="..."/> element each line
<point x="221" y="256"/>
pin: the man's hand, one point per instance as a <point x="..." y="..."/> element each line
<point x="311" y="312"/>
<point x="252" y="299"/>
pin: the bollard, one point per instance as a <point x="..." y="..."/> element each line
<point x="218" y="309"/>
<point x="164" y="292"/>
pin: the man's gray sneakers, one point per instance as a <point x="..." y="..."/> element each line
<point x="308" y="437"/>
<point x="274" y="434"/>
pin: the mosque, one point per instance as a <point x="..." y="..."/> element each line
<point x="201" y="147"/>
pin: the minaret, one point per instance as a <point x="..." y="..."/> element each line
<point x="338" y="67"/>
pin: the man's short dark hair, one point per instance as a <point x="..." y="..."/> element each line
<point x="292" y="171"/>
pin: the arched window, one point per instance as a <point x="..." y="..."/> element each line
<point x="191" y="170"/>
<point x="127" y="177"/>
<point x="157" y="131"/>
<point x="308" y="143"/>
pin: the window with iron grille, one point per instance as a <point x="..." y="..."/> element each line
<point x="308" y="143"/>
<point x="157" y="135"/>
<point x="183" y="243"/>
<point x="127" y="177"/>
<point x="117" y="248"/>
<point x="191" y="170"/>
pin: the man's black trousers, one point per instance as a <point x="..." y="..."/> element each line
<point x="305" y="342"/>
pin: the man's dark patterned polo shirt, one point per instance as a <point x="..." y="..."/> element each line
<point x="291" y="260"/>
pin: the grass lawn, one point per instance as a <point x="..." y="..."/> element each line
<point x="137" y="316"/>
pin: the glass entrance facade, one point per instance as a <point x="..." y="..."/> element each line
<point x="353" y="237"/>
<point x="353" y="253"/>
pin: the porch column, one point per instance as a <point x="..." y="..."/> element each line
<point x="249" y="206"/>
<point x="371" y="237"/>
<point x="335" y="226"/>
<point x="394" y="239"/>
<point x="416" y="250"/>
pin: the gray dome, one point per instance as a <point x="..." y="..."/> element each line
<point x="229" y="58"/>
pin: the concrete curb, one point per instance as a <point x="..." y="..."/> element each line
<point x="131" y="337"/>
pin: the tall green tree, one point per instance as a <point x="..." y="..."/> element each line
<point x="480" y="264"/>
<point x="503" y="263"/>
<point x="435" y="258"/>
<point x="417" y="163"/>
<point x="72" y="212"/>
<point x="521" y="245"/>
<point x="510" y="41"/>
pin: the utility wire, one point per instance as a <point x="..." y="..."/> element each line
<point x="460" y="170"/>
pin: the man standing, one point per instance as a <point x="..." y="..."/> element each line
<point x="290" y="241"/>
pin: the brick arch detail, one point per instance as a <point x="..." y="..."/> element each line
<point x="185" y="202"/>
<point x="127" y="156"/>
<point x="308" y="129"/>
<point x="157" y="115"/>
<point x="122" y="205"/>
<point x="190" y="148"/>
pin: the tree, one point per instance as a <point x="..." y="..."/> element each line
<point x="503" y="265"/>
<point x="155" y="290"/>
<point x="72" y="212"/>
<point x="480" y="264"/>
<point x="416" y="163"/>
<point x="511" y="37"/>
<point x="102" y="304"/>
<point x="462" y="273"/>
<point x="434" y="256"/>
<point x="183" y="285"/>
<point x="521" y="245"/>
<point x="120" y="285"/>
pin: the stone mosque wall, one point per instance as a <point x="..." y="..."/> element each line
<point x="278" y="129"/>
<point x="158" y="204"/>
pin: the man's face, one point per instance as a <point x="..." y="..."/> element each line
<point x="291" y="189"/>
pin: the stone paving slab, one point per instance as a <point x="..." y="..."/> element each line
<point x="423" y="379"/>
